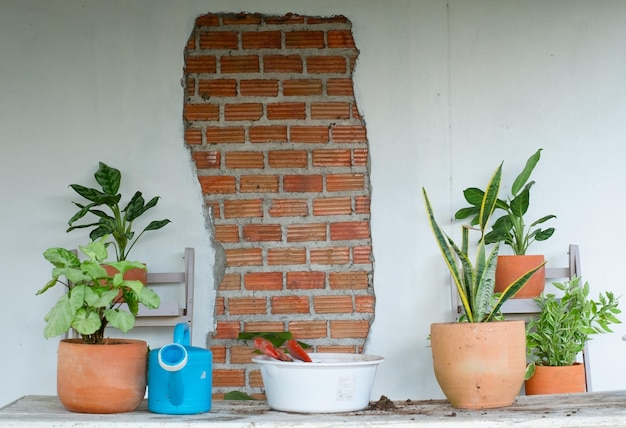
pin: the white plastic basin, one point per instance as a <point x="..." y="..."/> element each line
<point x="331" y="383"/>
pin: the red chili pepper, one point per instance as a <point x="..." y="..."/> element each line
<point x="266" y="347"/>
<point x="296" y="351"/>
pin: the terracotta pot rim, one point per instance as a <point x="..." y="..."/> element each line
<point x="111" y="341"/>
<point x="521" y="255"/>
<point x="576" y="363"/>
<point x="476" y="323"/>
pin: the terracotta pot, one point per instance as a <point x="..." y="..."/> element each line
<point x="509" y="268"/>
<point x="131" y="274"/>
<point x="108" y="378"/>
<point x="557" y="380"/>
<point x="479" y="365"/>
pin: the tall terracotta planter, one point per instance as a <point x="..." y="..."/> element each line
<point x="557" y="380"/>
<point x="509" y="268"/>
<point x="107" y="378"/>
<point x="479" y="365"/>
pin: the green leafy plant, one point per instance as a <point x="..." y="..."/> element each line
<point x="566" y="323"/>
<point x="510" y="228"/>
<point x="93" y="299"/>
<point x="475" y="282"/>
<point x="117" y="222"/>
<point x="278" y="338"/>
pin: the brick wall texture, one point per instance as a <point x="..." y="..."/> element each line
<point x="282" y="159"/>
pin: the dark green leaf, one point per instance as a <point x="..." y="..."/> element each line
<point x="109" y="178"/>
<point x="523" y="177"/>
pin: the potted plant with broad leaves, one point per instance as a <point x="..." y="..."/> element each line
<point x="97" y="374"/>
<point x="112" y="219"/>
<point x="512" y="230"/>
<point x="478" y="362"/>
<point x="559" y="334"/>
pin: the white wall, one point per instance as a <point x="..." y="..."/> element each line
<point x="446" y="97"/>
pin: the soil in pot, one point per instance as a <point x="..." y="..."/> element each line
<point x="509" y="268"/>
<point x="479" y="365"/>
<point x="107" y="378"/>
<point x="557" y="380"/>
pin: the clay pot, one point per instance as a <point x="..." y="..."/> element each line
<point x="557" y="380"/>
<point x="107" y="378"/>
<point x="131" y="274"/>
<point x="509" y="268"/>
<point x="479" y="365"/>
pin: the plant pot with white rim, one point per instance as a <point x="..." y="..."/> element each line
<point x="89" y="305"/>
<point x="466" y="381"/>
<point x="511" y="229"/>
<point x="559" y="333"/>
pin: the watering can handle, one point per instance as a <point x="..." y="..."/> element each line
<point x="181" y="334"/>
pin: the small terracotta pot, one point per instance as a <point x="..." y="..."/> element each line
<point x="510" y="268"/>
<point x="131" y="274"/>
<point x="479" y="365"/>
<point x="108" y="378"/>
<point x="557" y="380"/>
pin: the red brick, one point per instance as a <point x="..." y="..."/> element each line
<point x="340" y="39"/>
<point x="244" y="257"/>
<point x="247" y="305"/>
<point x="227" y="232"/>
<point x="227" y="330"/>
<point x="243" y="208"/>
<point x="263" y="281"/>
<point x="362" y="254"/>
<point x="326" y="64"/>
<point x="303" y="183"/>
<point x="364" y="304"/>
<point x="217" y="88"/>
<point x="289" y="18"/>
<point x="209" y="20"/>
<point x="290" y="304"/>
<point x="302" y="87"/>
<point x="330" y="256"/>
<point x="304" y="39"/>
<point x="219" y="354"/>
<point x="348" y="230"/>
<point x="289" y="208"/>
<point x="332" y="157"/>
<point x="343" y="329"/>
<point x="282" y="64"/>
<point x="258" y="88"/>
<point x="332" y="206"/>
<point x="201" y="64"/>
<point x="345" y="182"/>
<point x="259" y="183"/>
<point x="305" y="280"/>
<point x="262" y="232"/>
<point x="268" y="134"/>
<point x="335" y="19"/>
<point x="193" y="136"/>
<point x="330" y="110"/>
<point x="308" y="329"/>
<point x="241" y="354"/>
<point x="286" y="256"/>
<point x="263" y="326"/>
<point x="308" y="134"/>
<point x="255" y="379"/>
<point x="239" y="64"/>
<point x="362" y="204"/>
<point x="228" y="377"/>
<point x="288" y="159"/>
<point x="231" y="282"/>
<point x="211" y="184"/>
<point x="332" y="304"/>
<point x="220" y="307"/>
<point x="284" y="111"/>
<point x="349" y="134"/>
<point x="360" y="157"/>
<point x="306" y="232"/>
<point x="261" y="40"/>
<point x="247" y="160"/>
<point x="243" y="111"/>
<point x="241" y="19"/>
<point x="201" y="112"/>
<point x="215" y="134"/>
<point x="339" y="86"/>
<point x="348" y="280"/>
<point x="219" y="40"/>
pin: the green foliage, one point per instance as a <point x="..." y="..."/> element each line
<point x="117" y="222"/>
<point x="475" y="282"/>
<point x="277" y="338"/>
<point x="93" y="299"/>
<point x="238" y="395"/>
<point x="510" y="228"/>
<point x="564" y="325"/>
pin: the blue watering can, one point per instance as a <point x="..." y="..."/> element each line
<point x="179" y="377"/>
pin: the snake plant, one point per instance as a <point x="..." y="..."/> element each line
<point x="475" y="281"/>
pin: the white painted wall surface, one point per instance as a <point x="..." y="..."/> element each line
<point x="473" y="83"/>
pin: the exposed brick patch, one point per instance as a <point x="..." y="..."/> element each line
<point x="282" y="159"/>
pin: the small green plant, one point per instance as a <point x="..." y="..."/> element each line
<point x="510" y="228"/>
<point x="93" y="299"/>
<point x="117" y="222"/>
<point x="475" y="282"/>
<point x="566" y="323"/>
